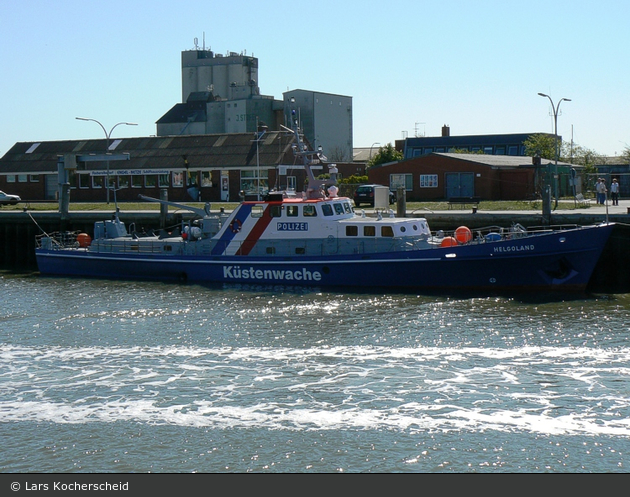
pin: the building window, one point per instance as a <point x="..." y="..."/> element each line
<point x="250" y="181"/>
<point x="206" y="178"/>
<point x="291" y="182"/>
<point x="163" y="180"/>
<point x="500" y="151"/>
<point x="34" y="178"/>
<point x="428" y="181"/>
<point x="150" y="181"/>
<point x="513" y="150"/>
<point x="137" y="181"/>
<point x="98" y="181"/>
<point x="487" y="150"/>
<point x="84" y="181"/>
<point x="398" y="180"/>
<point x="22" y="178"/>
<point x="123" y="181"/>
<point x="10" y="178"/>
<point x="178" y="179"/>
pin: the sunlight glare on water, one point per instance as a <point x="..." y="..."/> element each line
<point x="126" y="376"/>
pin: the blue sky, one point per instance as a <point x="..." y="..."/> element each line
<point x="410" y="66"/>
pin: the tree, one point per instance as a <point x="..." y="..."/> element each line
<point x="543" y="146"/>
<point x="466" y="151"/>
<point x="384" y="155"/>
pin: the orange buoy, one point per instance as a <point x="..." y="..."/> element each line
<point x="463" y="234"/>
<point x="84" y="240"/>
<point x="449" y="241"/>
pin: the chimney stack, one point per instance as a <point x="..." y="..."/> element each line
<point x="446" y="131"/>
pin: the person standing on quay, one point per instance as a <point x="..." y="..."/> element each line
<point x="601" y="191"/>
<point x="614" y="192"/>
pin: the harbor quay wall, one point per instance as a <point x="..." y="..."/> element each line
<point x="18" y="232"/>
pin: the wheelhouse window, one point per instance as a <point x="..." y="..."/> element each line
<point x="387" y="231"/>
<point x="292" y="211"/>
<point x="309" y="210"/>
<point x="327" y="210"/>
<point x="338" y="208"/>
<point x="275" y="210"/>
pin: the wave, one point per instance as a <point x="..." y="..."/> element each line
<point x="548" y="390"/>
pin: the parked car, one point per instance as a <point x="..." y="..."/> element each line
<point x="365" y="195"/>
<point x="6" y="199"/>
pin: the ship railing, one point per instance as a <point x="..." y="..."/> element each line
<point x="135" y="246"/>
<point x="59" y="239"/>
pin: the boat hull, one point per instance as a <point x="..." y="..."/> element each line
<point x="553" y="261"/>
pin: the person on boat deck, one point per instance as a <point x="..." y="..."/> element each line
<point x="601" y="191"/>
<point x="614" y="192"/>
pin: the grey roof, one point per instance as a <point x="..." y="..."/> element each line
<point x="503" y="161"/>
<point x="217" y="151"/>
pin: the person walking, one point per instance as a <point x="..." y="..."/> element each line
<point x="614" y="192"/>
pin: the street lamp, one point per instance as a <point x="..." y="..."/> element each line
<point x="555" y="109"/>
<point x="375" y="143"/>
<point x="259" y="134"/>
<point x="107" y="136"/>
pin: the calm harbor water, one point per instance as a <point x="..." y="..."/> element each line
<point x="102" y="376"/>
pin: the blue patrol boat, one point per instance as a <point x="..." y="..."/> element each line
<point x="317" y="239"/>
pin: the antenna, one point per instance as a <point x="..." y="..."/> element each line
<point x="204" y="41"/>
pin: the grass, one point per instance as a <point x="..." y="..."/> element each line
<point x="486" y="205"/>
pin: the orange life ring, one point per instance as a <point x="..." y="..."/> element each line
<point x="236" y="225"/>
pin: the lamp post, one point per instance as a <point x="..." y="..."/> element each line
<point x="375" y="143"/>
<point x="259" y="134"/>
<point x="555" y="109"/>
<point x="107" y="136"/>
